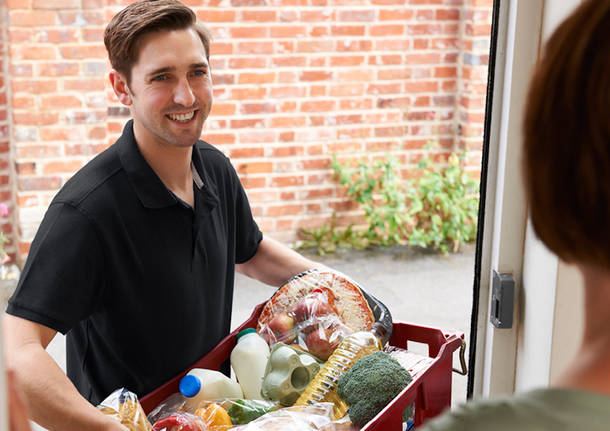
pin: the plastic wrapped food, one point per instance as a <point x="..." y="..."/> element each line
<point x="218" y="415"/>
<point x="315" y="417"/>
<point x="125" y="407"/>
<point x="180" y="422"/>
<point x="316" y="310"/>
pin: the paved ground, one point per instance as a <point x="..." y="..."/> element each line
<point x="417" y="287"/>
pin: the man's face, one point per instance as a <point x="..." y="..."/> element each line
<point x="170" y="89"/>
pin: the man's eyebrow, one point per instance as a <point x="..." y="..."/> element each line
<point x="161" y="70"/>
<point x="199" y="66"/>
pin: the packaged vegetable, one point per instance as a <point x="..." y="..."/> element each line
<point x="316" y="417"/>
<point x="180" y="422"/>
<point x="125" y="407"/>
<point x="245" y="411"/>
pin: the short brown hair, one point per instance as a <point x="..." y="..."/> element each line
<point x="566" y="157"/>
<point x="125" y="30"/>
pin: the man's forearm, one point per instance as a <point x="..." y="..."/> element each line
<point x="274" y="263"/>
<point x="52" y="399"/>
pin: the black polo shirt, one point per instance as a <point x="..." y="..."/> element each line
<point x="141" y="283"/>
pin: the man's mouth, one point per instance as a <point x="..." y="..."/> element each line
<point x="182" y="118"/>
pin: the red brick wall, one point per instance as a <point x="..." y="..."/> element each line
<point x="294" y="83"/>
<point x="6" y="194"/>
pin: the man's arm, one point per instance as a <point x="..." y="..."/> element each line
<point x="52" y="400"/>
<point x="274" y="263"/>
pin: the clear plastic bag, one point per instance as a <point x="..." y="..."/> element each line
<point x="217" y="415"/>
<point x="311" y="323"/>
<point x="125" y="407"/>
<point x="315" y="417"/>
<point x="181" y="422"/>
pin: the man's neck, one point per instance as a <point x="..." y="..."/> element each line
<point x="172" y="164"/>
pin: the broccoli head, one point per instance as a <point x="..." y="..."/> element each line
<point x="370" y="385"/>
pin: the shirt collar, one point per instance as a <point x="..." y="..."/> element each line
<point x="148" y="186"/>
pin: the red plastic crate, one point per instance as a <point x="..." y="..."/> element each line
<point x="431" y="389"/>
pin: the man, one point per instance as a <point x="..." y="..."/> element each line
<point x="567" y="181"/>
<point x="136" y="255"/>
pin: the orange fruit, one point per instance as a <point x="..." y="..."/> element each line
<point x="214" y="416"/>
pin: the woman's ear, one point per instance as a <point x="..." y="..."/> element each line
<point x="120" y="87"/>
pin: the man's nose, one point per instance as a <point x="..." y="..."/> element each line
<point x="183" y="93"/>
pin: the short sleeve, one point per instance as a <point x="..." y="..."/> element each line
<point x="248" y="233"/>
<point x="61" y="282"/>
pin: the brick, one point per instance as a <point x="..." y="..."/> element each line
<point x="258" y="108"/>
<point x="60" y="102"/>
<point x="354" y="45"/>
<point x="447" y="14"/>
<point x="62" y="167"/>
<point x="19" y="35"/>
<point x="18" y="4"/>
<point x="388" y="88"/>
<point x="61" y="134"/>
<point x="316" y="15"/>
<point x="287" y="181"/>
<point x="359" y="75"/>
<point x="343" y="90"/>
<point x="247" y="123"/>
<point x="349" y="60"/>
<point x="81" y="18"/>
<point x="249" y="32"/>
<point x="347" y="30"/>
<point x="255" y="48"/>
<point x="387" y="30"/>
<point x="318" y="90"/>
<point x="288" y="122"/>
<point x="97" y="133"/>
<point x="393" y="74"/>
<point x="357" y="15"/>
<point x="25" y="168"/>
<point x="31" y="18"/>
<point x="247" y="62"/>
<point x="319" y="31"/>
<point x="428" y="58"/>
<point x="314" y="46"/>
<point x="216" y="15"/>
<point x="315" y="75"/>
<point x="402" y="14"/>
<point x="23" y="102"/>
<point x="317" y="105"/>
<point x="56" y="4"/>
<point x="220" y="138"/>
<point x="257" y="136"/>
<point x="217" y="48"/>
<point x="223" y="79"/>
<point x="220" y="108"/>
<point x="318" y="61"/>
<point x="244" y="153"/>
<point x="253" y="182"/>
<point x="83" y="51"/>
<point x="292" y="31"/>
<point x="35" y="119"/>
<point x="89" y="84"/>
<point x="39" y="183"/>
<point x="287" y="151"/>
<point x="18" y="70"/>
<point x="58" y="69"/>
<point x="283" y="210"/>
<point x="292" y="61"/>
<point x="254" y="167"/>
<point x="93" y="4"/>
<point x="33" y="52"/>
<point x="258" y="15"/>
<point x="248" y="93"/>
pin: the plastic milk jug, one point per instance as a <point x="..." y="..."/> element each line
<point x="249" y="359"/>
<point x="201" y="384"/>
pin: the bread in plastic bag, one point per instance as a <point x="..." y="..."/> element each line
<point x="125" y="407"/>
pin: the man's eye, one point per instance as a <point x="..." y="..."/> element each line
<point x="200" y="72"/>
<point x="159" y="78"/>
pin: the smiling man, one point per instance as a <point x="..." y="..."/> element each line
<point x="136" y="256"/>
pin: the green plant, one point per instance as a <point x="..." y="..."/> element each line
<point x="436" y="209"/>
<point x="377" y="188"/>
<point x="444" y="202"/>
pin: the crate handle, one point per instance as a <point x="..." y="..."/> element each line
<point x="464" y="369"/>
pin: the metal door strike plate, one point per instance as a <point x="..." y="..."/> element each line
<point x="502" y="300"/>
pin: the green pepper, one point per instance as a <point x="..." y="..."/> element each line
<point x="244" y="411"/>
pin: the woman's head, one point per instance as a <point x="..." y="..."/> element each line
<point x="567" y="138"/>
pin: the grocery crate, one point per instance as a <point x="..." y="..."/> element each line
<point x="430" y="389"/>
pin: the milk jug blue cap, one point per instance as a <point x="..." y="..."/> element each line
<point x="190" y="386"/>
<point x="245" y="331"/>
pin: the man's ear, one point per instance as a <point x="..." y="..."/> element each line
<point x="119" y="85"/>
